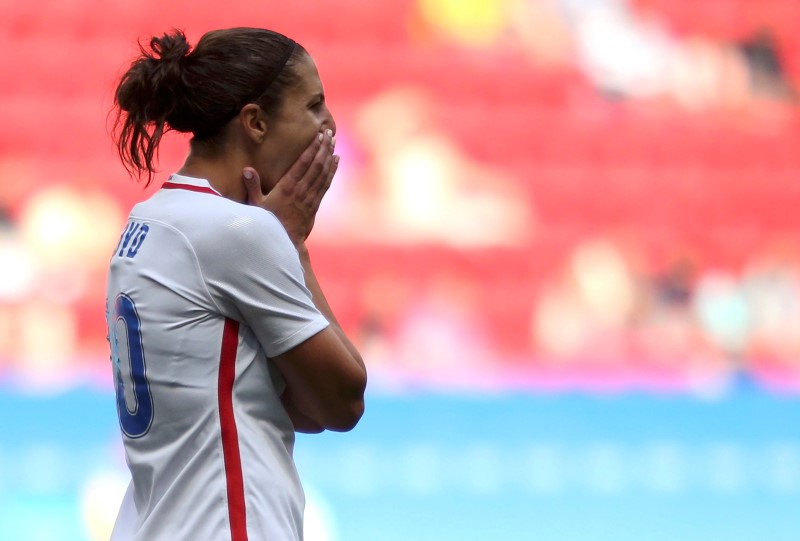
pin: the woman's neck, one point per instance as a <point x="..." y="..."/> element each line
<point x="223" y="173"/>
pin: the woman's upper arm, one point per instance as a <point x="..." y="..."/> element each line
<point x="253" y="275"/>
<point x="256" y="275"/>
<point x="326" y="382"/>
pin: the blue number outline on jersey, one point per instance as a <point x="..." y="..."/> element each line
<point x="134" y="423"/>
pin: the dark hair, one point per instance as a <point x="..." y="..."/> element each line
<point x="172" y="87"/>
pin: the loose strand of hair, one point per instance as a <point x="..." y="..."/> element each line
<point x="138" y="146"/>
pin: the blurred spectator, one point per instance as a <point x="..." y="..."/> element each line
<point x="584" y="317"/>
<point x="623" y="55"/>
<point x="423" y="188"/>
<point x="722" y="312"/>
<point x="17" y="280"/>
<point x="54" y="269"/>
<point x="441" y="337"/>
<point x="771" y="287"/>
<point x="767" y="75"/>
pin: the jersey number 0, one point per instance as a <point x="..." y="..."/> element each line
<point x="135" y="421"/>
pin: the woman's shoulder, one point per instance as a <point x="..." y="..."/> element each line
<point x="209" y="221"/>
<point x="229" y="227"/>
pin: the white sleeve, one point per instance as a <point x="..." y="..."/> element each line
<point x="254" y="275"/>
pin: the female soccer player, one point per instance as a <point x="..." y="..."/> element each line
<point x="222" y="342"/>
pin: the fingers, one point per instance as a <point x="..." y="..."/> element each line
<point x="327" y="178"/>
<point x="334" y="168"/>
<point x="316" y="183"/>
<point x="300" y="167"/>
<point x="297" y="195"/>
<point x="252" y="185"/>
<point x="320" y="168"/>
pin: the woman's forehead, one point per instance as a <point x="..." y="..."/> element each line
<point x="307" y="75"/>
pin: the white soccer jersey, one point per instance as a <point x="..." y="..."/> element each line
<point x="201" y="292"/>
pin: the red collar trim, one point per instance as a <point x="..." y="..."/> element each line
<point x="201" y="189"/>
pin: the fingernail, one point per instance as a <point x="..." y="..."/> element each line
<point x="333" y="142"/>
<point x="329" y="133"/>
<point x="320" y="136"/>
<point x="336" y="160"/>
<point x="248" y="174"/>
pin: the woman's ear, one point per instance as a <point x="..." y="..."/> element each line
<point x="254" y="122"/>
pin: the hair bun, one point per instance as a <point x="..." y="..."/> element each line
<point x="166" y="60"/>
<point x="150" y="91"/>
<point x="170" y="48"/>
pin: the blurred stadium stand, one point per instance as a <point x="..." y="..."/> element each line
<point x="479" y="148"/>
<point x="535" y="196"/>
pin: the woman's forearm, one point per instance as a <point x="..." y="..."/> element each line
<point x="322" y="305"/>
<point x="301" y="421"/>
